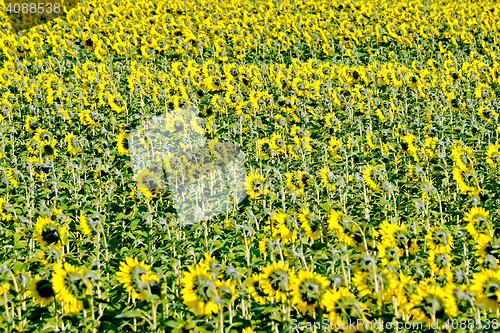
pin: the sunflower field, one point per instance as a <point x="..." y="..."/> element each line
<point x="370" y="136"/>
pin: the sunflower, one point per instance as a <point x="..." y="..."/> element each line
<point x="297" y="181"/>
<point x="307" y="290"/>
<point x="33" y="146"/>
<point x="439" y="262"/>
<point x="135" y="276"/>
<point x="345" y="227"/>
<point x="199" y="291"/>
<point x="256" y="186"/>
<point x="285" y="226"/>
<point x="42" y="135"/>
<point x="467" y="181"/>
<point x="175" y="165"/>
<point x="366" y="284"/>
<point x="117" y="103"/>
<point x="31" y="124"/>
<point x="486" y="286"/>
<point x="84" y="225"/>
<point x="388" y="254"/>
<point x="433" y="302"/>
<point x="439" y="239"/>
<point x="48" y="148"/>
<point x="254" y="288"/>
<point x="373" y="176"/>
<point x="488" y="250"/>
<point x="276" y="280"/>
<point x="49" y="256"/>
<point x="42" y="290"/>
<point x="148" y="182"/>
<point x="398" y="236"/>
<point x="70" y="285"/>
<point x="226" y="291"/>
<point x="102" y="175"/>
<point x="122" y="143"/>
<point x="343" y="308"/>
<point x="311" y="223"/>
<point x="48" y="232"/>
<point x="4" y="280"/>
<point x="5" y="210"/>
<point x="493" y="155"/>
<point x="74" y="147"/>
<point x="478" y="226"/>
<point x="327" y="178"/>
<point x="463" y="156"/>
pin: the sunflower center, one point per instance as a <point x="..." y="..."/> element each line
<point x="51" y="236"/>
<point x="33" y="124"/>
<point x="44" y="288"/>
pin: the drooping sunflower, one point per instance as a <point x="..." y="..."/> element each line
<point x="285" y="226"/>
<point x="493" y="155"/>
<point x="463" y="156"/>
<point x="148" y="182"/>
<point x="70" y="285"/>
<point x="48" y="148"/>
<point x="433" y="302"/>
<point x="84" y="225"/>
<point x="102" y="175"/>
<point x="439" y="262"/>
<point x="5" y="210"/>
<point x="175" y="165"/>
<point x="4" y="280"/>
<point x="440" y="239"/>
<point x="488" y="252"/>
<point x="366" y="284"/>
<point x="122" y="143"/>
<point x="136" y="276"/>
<point x="486" y="286"/>
<point x="42" y="290"/>
<point x="31" y="124"/>
<point x="342" y="308"/>
<point x="276" y="280"/>
<point x="256" y="186"/>
<point x="327" y="178"/>
<point x="48" y="232"/>
<point x="226" y="291"/>
<point x="73" y="144"/>
<point x="311" y="223"/>
<point x="307" y="291"/>
<point x="254" y="288"/>
<point x="479" y="226"/>
<point x="198" y="290"/>
<point x="373" y="176"/>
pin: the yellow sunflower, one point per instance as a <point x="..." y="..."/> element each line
<point x="42" y="290"/>
<point x="136" y="276"/>
<point x="276" y="280"/>
<point x="307" y="291"/>
<point x="48" y="232"/>
<point x="199" y="291"/>
<point x="70" y="286"/>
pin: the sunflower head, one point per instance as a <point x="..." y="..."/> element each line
<point x="42" y="290"/>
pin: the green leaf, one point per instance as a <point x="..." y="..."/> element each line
<point x="326" y="207"/>
<point x="131" y="314"/>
